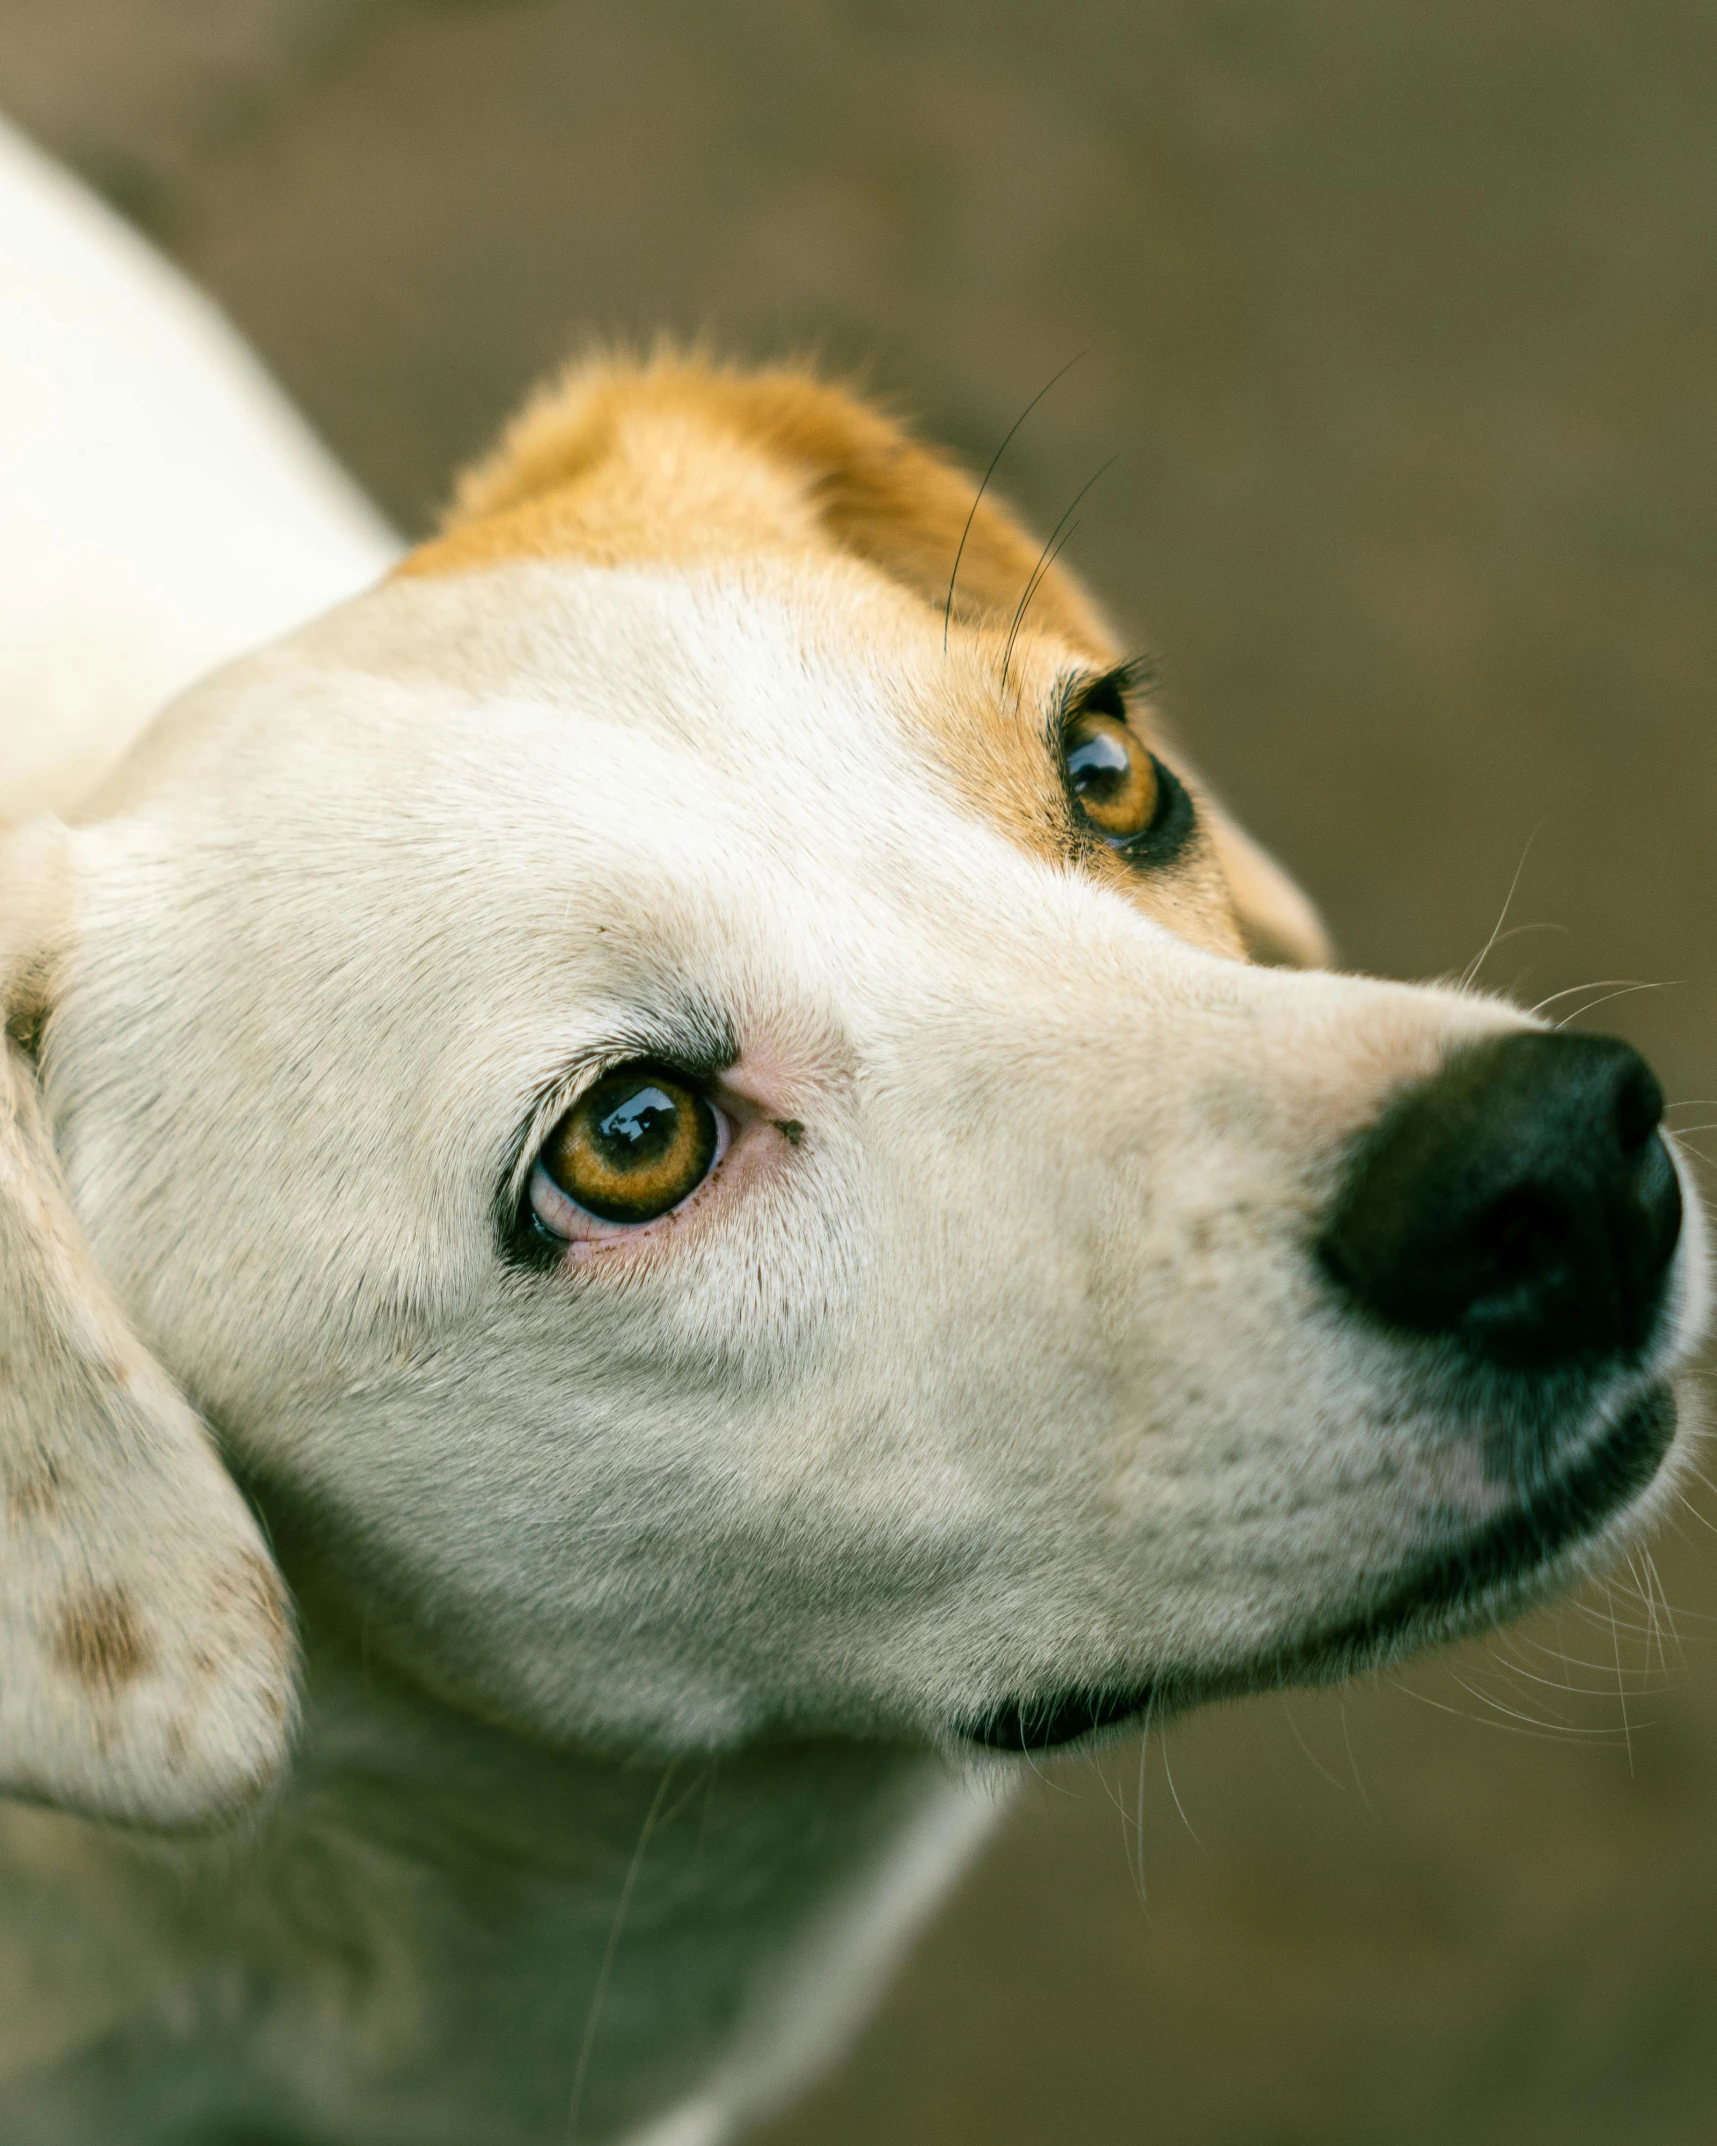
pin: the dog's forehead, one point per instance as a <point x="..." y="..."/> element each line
<point x="622" y="698"/>
<point x="800" y="723"/>
<point x="824" y="662"/>
<point x="845" y="712"/>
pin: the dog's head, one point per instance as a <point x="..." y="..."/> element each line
<point x="695" y="1112"/>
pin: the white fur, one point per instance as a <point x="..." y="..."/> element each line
<point x="642" y="1593"/>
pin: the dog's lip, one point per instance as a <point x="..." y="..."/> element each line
<point x="1423" y="1599"/>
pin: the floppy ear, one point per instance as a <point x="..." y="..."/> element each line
<point x="147" y="1658"/>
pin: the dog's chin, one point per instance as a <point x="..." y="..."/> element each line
<point x="1438" y="1595"/>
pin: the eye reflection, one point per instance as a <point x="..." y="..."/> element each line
<point x="1111" y="776"/>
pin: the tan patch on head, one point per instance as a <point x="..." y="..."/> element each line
<point x="1000" y="755"/>
<point x="680" y="462"/>
<point x="990" y="746"/>
<point x="98" y="1640"/>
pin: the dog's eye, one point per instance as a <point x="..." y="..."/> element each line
<point x="641" y="1141"/>
<point x="1122" y="789"/>
<point x="1111" y="774"/>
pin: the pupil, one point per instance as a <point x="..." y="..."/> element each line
<point x="1098" y="764"/>
<point x="640" y="1129"/>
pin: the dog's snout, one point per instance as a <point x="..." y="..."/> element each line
<point x="1520" y="1200"/>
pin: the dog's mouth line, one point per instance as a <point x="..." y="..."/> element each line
<point x="1424" y="1598"/>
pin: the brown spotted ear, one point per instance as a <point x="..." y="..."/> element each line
<point x="678" y="460"/>
<point x="147" y="1662"/>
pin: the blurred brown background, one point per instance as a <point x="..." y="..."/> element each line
<point x="1400" y="315"/>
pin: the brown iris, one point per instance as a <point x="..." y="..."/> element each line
<point x="638" y="1143"/>
<point x="1111" y="774"/>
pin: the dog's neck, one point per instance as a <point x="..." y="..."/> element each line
<point x="576" y="1928"/>
<point x="445" y="1930"/>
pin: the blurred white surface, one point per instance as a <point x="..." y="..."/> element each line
<point x="163" y="508"/>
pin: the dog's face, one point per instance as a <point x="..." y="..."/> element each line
<point x="704" y="1133"/>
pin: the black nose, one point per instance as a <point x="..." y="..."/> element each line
<point x="1520" y="1200"/>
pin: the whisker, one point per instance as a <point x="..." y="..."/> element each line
<point x="1602" y="983"/>
<point x="1539" y="1732"/>
<point x="1347" y="1738"/>
<point x="1175" y="1793"/>
<point x="1299" y="1739"/>
<point x="1561" y="1684"/>
<point x="1669" y="1623"/>
<point x="1052" y="549"/>
<point x="1626" y="991"/>
<point x="601" y="1990"/>
<point x="1031" y="589"/>
<point x="1683" y="1499"/>
<point x="984" y="485"/>
<point x="1554" y="1729"/>
<point x="1648" y="1603"/>
<point x="1479" y="959"/>
<point x="1462" y="978"/>
<point x="1609" y="1621"/>
<point x="1568" y="1661"/>
<point x="1621" y="1694"/>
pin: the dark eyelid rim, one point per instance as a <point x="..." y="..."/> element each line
<point x="1112" y="693"/>
<point x="695" y="1040"/>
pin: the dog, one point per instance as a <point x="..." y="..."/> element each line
<point x="669" y="1190"/>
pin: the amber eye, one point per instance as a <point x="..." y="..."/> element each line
<point x="639" y="1143"/>
<point x="1111" y="774"/>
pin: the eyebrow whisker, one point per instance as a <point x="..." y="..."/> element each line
<point x="1046" y="558"/>
<point x="984" y="484"/>
<point x="1031" y="588"/>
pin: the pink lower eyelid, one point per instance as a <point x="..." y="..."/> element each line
<point x="551" y="1206"/>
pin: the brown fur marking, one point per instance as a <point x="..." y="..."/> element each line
<point x="682" y="463"/>
<point x="98" y="1640"/>
<point x="36" y="1490"/>
<point x="679" y="461"/>
<point x="254" y="1586"/>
